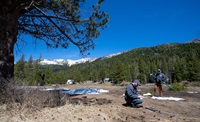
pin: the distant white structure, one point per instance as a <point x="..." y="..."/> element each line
<point x="70" y="81"/>
<point x="106" y="79"/>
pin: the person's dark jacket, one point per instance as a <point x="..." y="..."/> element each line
<point x="160" y="77"/>
<point x="131" y="92"/>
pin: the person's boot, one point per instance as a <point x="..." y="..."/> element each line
<point x="138" y="106"/>
<point x="129" y="105"/>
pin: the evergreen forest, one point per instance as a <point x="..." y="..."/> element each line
<point x="180" y="62"/>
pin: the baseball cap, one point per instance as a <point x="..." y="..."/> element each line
<point x="137" y="81"/>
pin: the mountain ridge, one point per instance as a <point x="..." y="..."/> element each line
<point x="71" y="62"/>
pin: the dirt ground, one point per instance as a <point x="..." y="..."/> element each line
<point x="109" y="107"/>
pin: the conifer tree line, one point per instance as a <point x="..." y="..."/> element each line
<point x="180" y="62"/>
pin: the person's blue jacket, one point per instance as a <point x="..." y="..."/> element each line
<point x="131" y="92"/>
<point x="160" y="77"/>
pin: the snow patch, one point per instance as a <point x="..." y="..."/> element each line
<point x="167" y="98"/>
<point x="103" y="91"/>
<point x="191" y="92"/>
<point x="147" y="94"/>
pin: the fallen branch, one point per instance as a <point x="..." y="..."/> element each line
<point x="161" y="112"/>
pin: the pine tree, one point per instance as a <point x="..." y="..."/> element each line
<point x="142" y="71"/>
<point x="118" y="73"/>
<point x="19" y="69"/>
<point x="29" y="71"/>
<point x="48" y="75"/>
<point x="37" y="73"/>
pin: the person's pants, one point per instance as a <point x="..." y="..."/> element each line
<point x="134" y="102"/>
<point x="156" y="87"/>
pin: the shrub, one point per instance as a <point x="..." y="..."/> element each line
<point x="178" y="87"/>
<point x="30" y="96"/>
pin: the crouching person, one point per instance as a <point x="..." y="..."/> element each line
<point x="132" y="97"/>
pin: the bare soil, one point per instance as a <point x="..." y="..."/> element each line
<point x="109" y="107"/>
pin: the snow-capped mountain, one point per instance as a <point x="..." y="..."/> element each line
<point x="112" y="55"/>
<point x="68" y="61"/>
<point x="197" y="40"/>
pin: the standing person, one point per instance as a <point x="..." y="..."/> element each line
<point x="132" y="97"/>
<point x="159" y="78"/>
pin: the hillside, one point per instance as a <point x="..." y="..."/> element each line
<point x="178" y="61"/>
<point x="148" y="60"/>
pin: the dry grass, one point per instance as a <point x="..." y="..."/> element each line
<point x="27" y="97"/>
<point x="105" y="107"/>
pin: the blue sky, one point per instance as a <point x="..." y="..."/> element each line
<point x="133" y="24"/>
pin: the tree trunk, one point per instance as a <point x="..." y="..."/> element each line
<point x="8" y="37"/>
